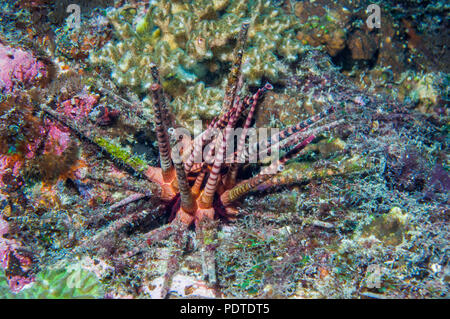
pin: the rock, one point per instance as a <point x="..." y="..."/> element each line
<point x="362" y="45"/>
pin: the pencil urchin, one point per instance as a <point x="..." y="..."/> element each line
<point x="199" y="179"/>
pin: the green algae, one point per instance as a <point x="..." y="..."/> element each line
<point x="59" y="283"/>
<point x="122" y="154"/>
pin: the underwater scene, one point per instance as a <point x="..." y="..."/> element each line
<point x="224" y="149"/>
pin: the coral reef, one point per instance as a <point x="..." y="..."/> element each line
<point x="73" y="43"/>
<point x="321" y="26"/>
<point x="17" y="264"/>
<point x="19" y="127"/>
<point x="35" y="146"/>
<point x="93" y="206"/>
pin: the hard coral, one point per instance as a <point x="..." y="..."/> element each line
<point x="35" y="146"/>
<point x="76" y="43"/>
<point x="65" y="282"/>
<point x="192" y="42"/>
<point x="78" y="107"/>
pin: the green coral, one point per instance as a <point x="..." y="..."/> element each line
<point x="68" y="282"/>
<point x="193" y="42"/>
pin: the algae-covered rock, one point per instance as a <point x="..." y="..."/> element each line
<point x="424" y="90"/>
<point x="389" y="228"/>
<point x="322" y="26"/>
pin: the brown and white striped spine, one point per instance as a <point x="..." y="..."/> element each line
<point x="186" y="198"/>
<point x="243" y="188"/>
<point x="165" y="113"/>
<point x="235" y="112"/>
<point x="212" y="182"/>
<point x="232" y="173"/>
<point x="197" y="148"/>
<point x="235" y="72"/>
<point x="161" y="133"/>
<point x="196" y="188"/>
<point x="265" y="148"/>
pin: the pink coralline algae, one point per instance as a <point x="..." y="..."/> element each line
<point x="7" y="164"/>
<point x="15" y="265"/>
<point x="60" y="141"/>
<point x="56" y="141"/>
<point x="78" y="108"/>
<point x="19" y="68"/>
